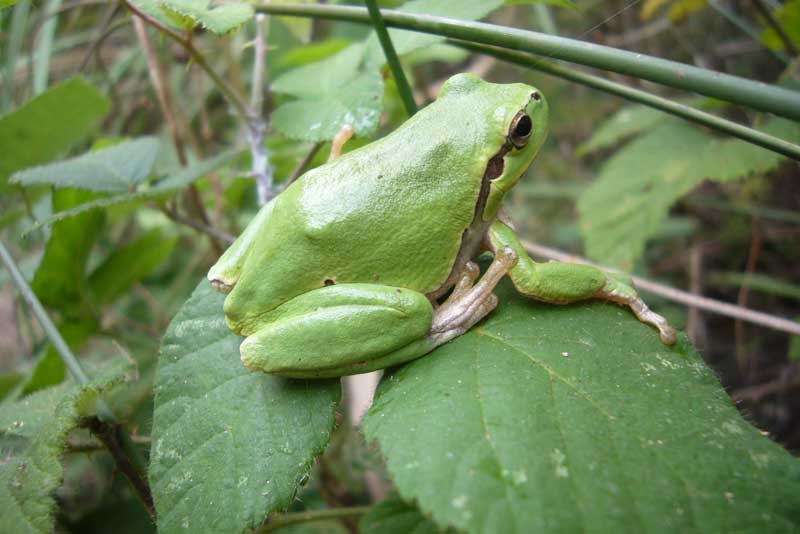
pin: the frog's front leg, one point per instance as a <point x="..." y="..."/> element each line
<point x="562" y="283"/>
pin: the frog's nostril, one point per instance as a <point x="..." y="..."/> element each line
<point x="536" y="96"/>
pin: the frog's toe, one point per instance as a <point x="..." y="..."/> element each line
<point x="221" y="285"/>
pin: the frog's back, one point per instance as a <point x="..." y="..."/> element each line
<point x="392" y="212"/>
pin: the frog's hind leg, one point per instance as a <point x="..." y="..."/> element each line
<point x="337" y="330"/>
<point x="224" y="274"/>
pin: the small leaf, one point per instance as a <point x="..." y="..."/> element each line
<point x="342" y="93"/>
<point x="48" y="125"/>
<point x="627" y="121"/>
<point x="60" y="279"/>
<point x="129" y="264"/>
<point x="625" y="206"/>
<point x="394" y="516"/>
<point x="165" y="187"/>
<point x="229" y="445"/>
<point x="218" y="17"/>
<point x="37" y="426"/>
<point x="574" y="419"/>
<point x="116" y="169"/>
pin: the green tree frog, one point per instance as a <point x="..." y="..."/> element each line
<point x="366" y="262"/>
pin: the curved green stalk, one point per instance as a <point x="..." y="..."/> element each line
<point x="664" y="104"/>
<point x="750" y="93"/>
<point x="391" y="58"/>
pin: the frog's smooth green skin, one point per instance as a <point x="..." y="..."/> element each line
<point x="343" y="272"/>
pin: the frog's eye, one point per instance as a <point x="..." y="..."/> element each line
<point x="521" y="129"/>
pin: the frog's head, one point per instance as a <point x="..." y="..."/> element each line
<point x="516" y="117"/>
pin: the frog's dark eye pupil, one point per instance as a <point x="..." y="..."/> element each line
<point x="523" y="127"/>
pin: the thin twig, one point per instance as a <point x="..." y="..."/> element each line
<point x="102" y="32"/>
<point x="756" y="392"/>
<point x="256" y="125"/>
<point x="301" y="167"/>
<point x="162" y="92"/>
<point x="218" y="235"/>
<point x="230" y="93"/>
<point x="742" y="354"/>
<point x="281" y="521"/>
<point x="109" y="435"/>
<point x="776" y="27"/>
<point x="677" y="295"/>
<point x="164" y="97"/>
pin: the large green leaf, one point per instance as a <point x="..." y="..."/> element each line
<point x="630" y="199"/>
<point x="116" y="169"/>
<point x="577" y="419"/>
<point x="229" y="445"/>
<point x="32" y="432"/>
<point x="48" y="125"/>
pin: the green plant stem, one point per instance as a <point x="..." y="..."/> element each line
<point x="664" y="104"/>
<point x="13" y="46"/>
<point x="281" y="521"/>
<point x="753" y="94"/>
<point x="49" y="328"/>
<point x="132" y="456"/>
<point x="44" y="46"/>
<point x="403" y="88"/>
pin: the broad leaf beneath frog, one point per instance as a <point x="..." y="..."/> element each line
<point x="547" y="418"/>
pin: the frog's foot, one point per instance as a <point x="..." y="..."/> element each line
<point x="339" y="140"/>
<point x="619" y="291"/>
<point x="470" y="302"/>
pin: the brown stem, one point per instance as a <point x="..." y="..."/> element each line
<point x="164" y="96"/>
<point x="209" y="230"/>
<point x="742" y="356"/>
<point x="108" y="434"/>
<point x="301" y="167"/>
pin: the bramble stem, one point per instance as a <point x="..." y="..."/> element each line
<point x="742" y="91"/>
<point x="643" y="97"/>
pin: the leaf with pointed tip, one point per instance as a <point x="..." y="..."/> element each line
<point x="219" y="17"/>
<point x="48" y="125"/>
<point x="627" y="204"/>
<point x="115" y="169"/>
<point x="572" y="419"/>
<point x="230" y="445"/>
